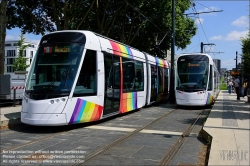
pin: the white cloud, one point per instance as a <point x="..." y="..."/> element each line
<point x="32" y="40"/>
<point x="229" y="64"/>
<point x="241" y="22"/>
<point x="10" y="37"/>
<point x="35" y="41"/>
<point x="27" y="38"/>
<point x="199" y="21"/>
<point x="236" y="35"/>
<point x="216" y="37"/>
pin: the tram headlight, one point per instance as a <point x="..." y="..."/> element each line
<point x="57" y="100"/>
<point x="63" y="99"/>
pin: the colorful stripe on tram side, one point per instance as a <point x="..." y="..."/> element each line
<point x="210" y="99"/>
<point x="85" y="111"/>
<point x="128" y="101"/>
<point x="121" y="50"/>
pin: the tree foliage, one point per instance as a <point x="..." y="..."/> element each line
<point x="246" y="53"/>
<point x="145" y="25"/>
<point x="20" y="63"/>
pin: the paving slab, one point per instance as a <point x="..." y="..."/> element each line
<point x="228" y="124"/>
<point x="10" y="115"/>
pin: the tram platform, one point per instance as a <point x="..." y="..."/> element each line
<point x="10" y="115"/>
<point x="227" y="124"/>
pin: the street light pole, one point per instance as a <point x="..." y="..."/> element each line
<point x="172" y="87"/>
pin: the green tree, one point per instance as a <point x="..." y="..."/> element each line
<point x="3" y="20"/>
<point x="20" y="63"/>
<point x="145" y="25"/>
<point x="246" y="53"/>
<point x="41" y="16"/>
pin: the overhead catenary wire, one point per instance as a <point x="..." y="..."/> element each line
<point x="196" y="13"/>
<point x="196" y="46"/>
<point x="198" y="18"/>
<point x="204" y="6"/>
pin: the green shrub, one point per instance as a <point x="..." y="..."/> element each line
<point x="20" y="62"/>
<point x="223" y="86"/>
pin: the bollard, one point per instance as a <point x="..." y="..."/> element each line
<point x="14" y="97"/>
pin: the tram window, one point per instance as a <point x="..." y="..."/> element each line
<point x="87" y="81"/>
<point x="128" y="68"/>
<point x="160" y="79"/>
<point x="154" y="82"/>
<point x="210" y="84"/>
<point x="139" y="76"/>
<point x="165" y="80"/>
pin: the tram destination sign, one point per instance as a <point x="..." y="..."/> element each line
<point x="56" y="49"/>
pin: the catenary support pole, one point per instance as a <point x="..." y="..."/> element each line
<point x="172" y="74"/>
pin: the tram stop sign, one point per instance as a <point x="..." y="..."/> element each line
<point x="234" y="73"/>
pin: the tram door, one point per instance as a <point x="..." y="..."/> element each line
<point x="112" y="84"/>
<point x="154" y="84"/>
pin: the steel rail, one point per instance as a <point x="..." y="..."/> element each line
<point x="175" y="148"/>
<point x="118" y="141"/>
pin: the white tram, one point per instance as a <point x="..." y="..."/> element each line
<point x="80" y="76"/>
<point x="197" y="80"/>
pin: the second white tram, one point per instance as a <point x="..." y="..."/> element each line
<point x="80" y="76"/>
<point x="197" y="80"/>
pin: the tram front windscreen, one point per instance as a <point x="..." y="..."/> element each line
<point x="192" y="73"/>
<point x="55" y="65"/>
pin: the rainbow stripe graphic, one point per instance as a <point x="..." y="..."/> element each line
<point x="85" y="111"/>
<point x="209" y="99"/>
<point x="161" y="63"/>
<point x="128" y="102"/>
<point x="121" y="50"/>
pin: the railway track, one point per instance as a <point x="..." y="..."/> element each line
<point x="118" y="141"/>
<point x="94" y="154"/>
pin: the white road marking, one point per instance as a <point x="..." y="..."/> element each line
<point x="133" y="129"/>
<point x="161" y="132"/>
<point x="111" y="128"/>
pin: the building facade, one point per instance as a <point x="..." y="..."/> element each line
<point x="218" y="64"/>
<point x="17" y="79"/>
<point x="11" y="52"/>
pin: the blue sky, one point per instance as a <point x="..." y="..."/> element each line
<point x="223" y="29"/>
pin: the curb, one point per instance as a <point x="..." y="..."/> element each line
<point x="10" y="122"/>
